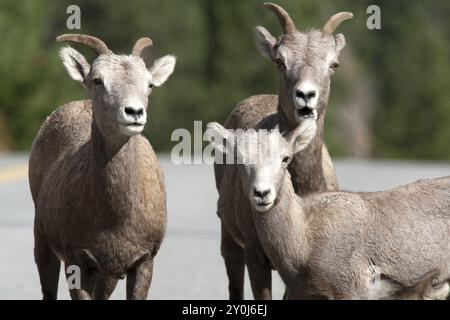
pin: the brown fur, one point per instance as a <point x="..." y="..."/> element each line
<point x="392" y="244"/>
<point x="323" y="245"/>
<point x="96" y="182"/>
<point x="85" y="201"/>
<point x="303" y="56"/>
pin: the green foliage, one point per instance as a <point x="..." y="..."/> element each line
<point x="412" y="69"/>
<point x="218" y="64"/>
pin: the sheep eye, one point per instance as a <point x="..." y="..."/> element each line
<point x="278" y="62"/>
<point x="286" y="159"/>
<point x="151" y="85"/>
<point x="97" y="82"/>
<point x="334" y="65"/>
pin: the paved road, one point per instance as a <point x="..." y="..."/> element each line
<point x="189" y="265"/>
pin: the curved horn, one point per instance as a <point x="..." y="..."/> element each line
<point x="285" y="20"/>
<point x="335" y="21"/>
<point x="140" y="45"/>
<point x="92" y="42"/>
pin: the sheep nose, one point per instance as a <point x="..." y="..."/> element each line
<point x="261" y="194"/>
<point x="306" y="96"/>
<point x="134" y="112"/>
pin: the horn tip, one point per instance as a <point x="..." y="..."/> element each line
<point x="147" y="41"/>
<point x="336" y="20"/>
<point x="63" y="37"/>
<point x="60" y="38"/>
<point x="269" y="5"/>
<point x="348" y="14"/>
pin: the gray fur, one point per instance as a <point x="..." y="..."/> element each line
<point x="300" y="57"/>
<point x="392" y="244"/>
<point x="97" y="184"/>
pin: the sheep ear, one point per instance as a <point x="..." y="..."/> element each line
<point x="75" y="63"/>
<point x="219" y="137"/>
<point x="162" y="68"/>
<point x="340" y="43"/>
<point x="300" y="137"/>
<point x="265" y="42"/>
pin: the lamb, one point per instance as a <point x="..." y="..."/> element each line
<point x="391" y="244"/>
<point x="96" y="183"/>
<point x="305" y="62"/>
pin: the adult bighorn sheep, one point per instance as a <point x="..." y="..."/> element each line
<point x="305" y="62"/>
<point x="96" y="183"/>
<point x="341" y="245"/>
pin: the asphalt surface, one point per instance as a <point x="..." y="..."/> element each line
<point x="189" y="265"/>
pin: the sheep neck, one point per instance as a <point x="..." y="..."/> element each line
<point x="306" y="166"/>
<point x="282" y="232"/>
<point x="113" y="173"/>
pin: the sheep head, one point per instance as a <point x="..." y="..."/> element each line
<point x="305" y="62"/>
<point x="262" y="157"/>
<point x="119" y="85"/>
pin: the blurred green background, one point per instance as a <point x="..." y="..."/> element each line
<point x="389" y="99"/>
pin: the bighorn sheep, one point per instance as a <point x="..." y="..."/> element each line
<point x="96" y="183"/>
<point x="341" y="245"/>
<point x="305" y="62"/>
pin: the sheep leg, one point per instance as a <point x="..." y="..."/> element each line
<point x="259" y="271"/>
<point x="82" y="288"/>
<point x="104" y="287"/>
<point x="85" y="290"/>
<point x="234" y="257"/>
<point x="48" y="266"/>
<point x="139" y="279"/>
